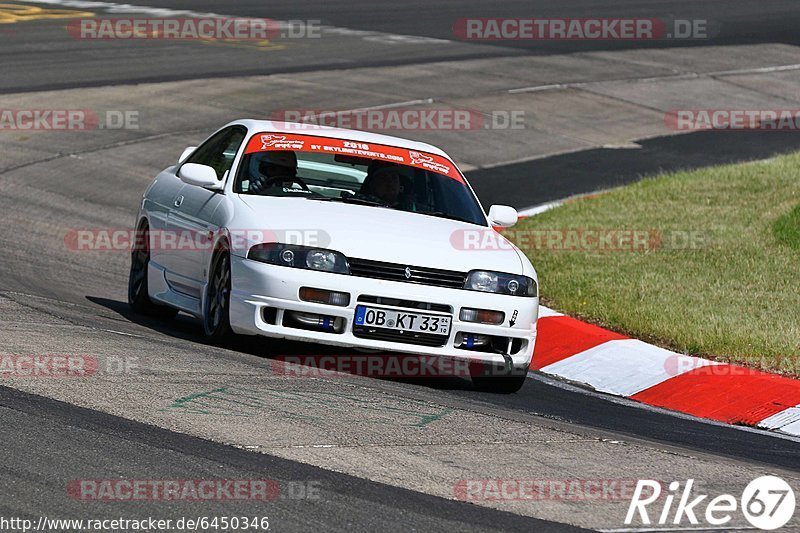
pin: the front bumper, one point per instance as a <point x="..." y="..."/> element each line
<point x="262" y="295"/>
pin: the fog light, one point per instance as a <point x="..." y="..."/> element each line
<point x="482" y="316"/>
<point x="323" y="296"/>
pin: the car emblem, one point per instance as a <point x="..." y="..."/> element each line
<point x="408" y="273"/>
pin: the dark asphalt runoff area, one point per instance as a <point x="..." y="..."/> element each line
<point x="553" y="178"/>
<point x="57" y="443"/>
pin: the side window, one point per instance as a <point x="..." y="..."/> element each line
<point x="220" y="150"/>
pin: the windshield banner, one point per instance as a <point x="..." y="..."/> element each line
<point x="263" y="142"/>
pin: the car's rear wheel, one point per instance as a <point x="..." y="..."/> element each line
<point x="138" y="296"/>
<point x="216" y="310"/>
<point x="497" y="380"/>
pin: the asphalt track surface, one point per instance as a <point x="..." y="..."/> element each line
<point x="48" y="442"/>
<point x="736" y="22"/>
<point x="42" y="59"/>
<point x="56" y="438"/>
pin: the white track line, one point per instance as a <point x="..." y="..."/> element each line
<point x="538" y="209"/>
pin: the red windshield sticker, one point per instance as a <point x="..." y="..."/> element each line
<point x="264" y="142"/>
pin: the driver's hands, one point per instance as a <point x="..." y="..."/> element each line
<point x="260" y="184"/>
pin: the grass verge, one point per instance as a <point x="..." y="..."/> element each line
<point x="705" y="262"/>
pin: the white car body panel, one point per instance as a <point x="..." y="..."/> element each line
<point x="404" y="237"/>
<point x="365" y="232"/>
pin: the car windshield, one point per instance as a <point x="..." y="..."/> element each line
<point x="372" y="181"/>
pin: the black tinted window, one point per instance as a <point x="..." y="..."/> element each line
<point x="220" y="150"/>
<point x="329" y="177"/>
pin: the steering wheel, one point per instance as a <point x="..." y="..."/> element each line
<point x="294" y="179"/>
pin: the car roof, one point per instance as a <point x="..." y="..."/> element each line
<point x="271" y="126"/>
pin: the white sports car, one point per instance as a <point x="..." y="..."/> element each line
<point x="339" y="237"/>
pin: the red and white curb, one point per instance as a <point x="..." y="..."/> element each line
<point x="615" y="364"/>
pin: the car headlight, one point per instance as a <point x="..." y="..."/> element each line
<point x="294" y="255"/>
<point x="500" y="283"/>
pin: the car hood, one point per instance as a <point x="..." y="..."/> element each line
<point x="381" y="234"/>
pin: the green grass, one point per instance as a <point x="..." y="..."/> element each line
<point x="732" y="295"/>
<point x="787" y="228"/>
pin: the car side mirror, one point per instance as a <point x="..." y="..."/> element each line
<point x="503" y="216"/>
<point x="186" y="153"/>
<point x="200" y="175"/>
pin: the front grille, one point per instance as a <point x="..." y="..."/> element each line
<point x="366" y="268"/>
<point x="409" y="304"/>
<point x="406" y="337"/>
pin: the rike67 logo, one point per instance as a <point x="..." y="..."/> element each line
<point x="767" y="503"/>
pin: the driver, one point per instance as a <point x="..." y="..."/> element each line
<point x="382" y="184"/>
<point x="275" y="168"/>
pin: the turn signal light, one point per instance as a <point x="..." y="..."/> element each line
<point x="482" y="316"/>
<point x="323" y="296"/>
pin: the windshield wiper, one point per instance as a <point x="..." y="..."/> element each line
<point x="318" y="197"/>
<point x="361" y="201"/>
<point x="442" y="214"/>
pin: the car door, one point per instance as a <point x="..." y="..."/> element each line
<point x="157" y="205"/>
<point x="190" y="216"/>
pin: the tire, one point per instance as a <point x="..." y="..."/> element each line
<point x="138" y="296"/>
<point x="497" y="381"/>
<point x="216" y="306"/>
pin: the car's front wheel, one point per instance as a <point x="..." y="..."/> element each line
<point x="497" y="380"/>
<point x="216" y="312"/>
<point x="138" y="296"/>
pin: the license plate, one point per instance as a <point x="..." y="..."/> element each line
<point x="393" y="319"/>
